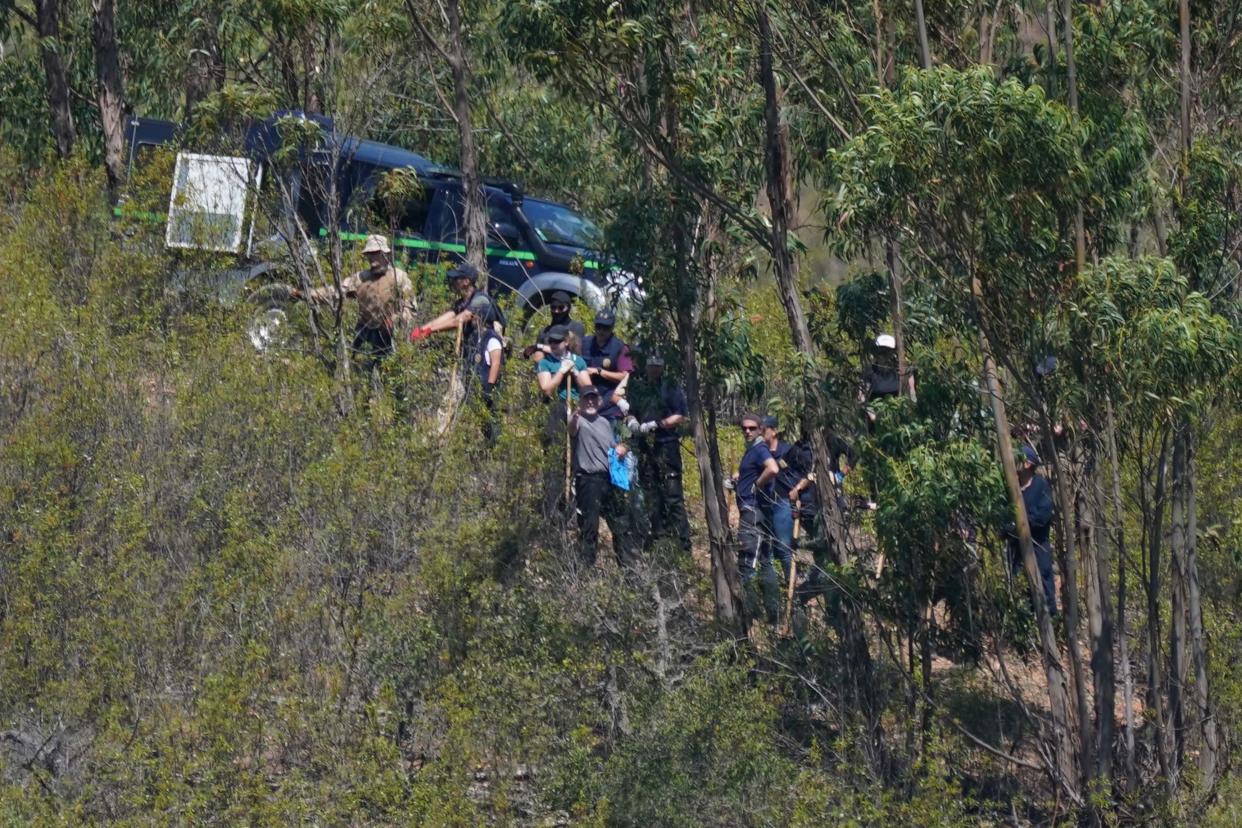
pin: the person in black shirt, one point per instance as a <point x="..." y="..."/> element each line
<point x="660" y="408"/>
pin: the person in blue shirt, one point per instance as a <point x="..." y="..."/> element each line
<point x="755" y="474"/>
<point x="776" y="502"/>
<point x="1040" y="508"/>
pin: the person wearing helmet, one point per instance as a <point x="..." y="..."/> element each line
<point x="384" y="295"/>
<point x="473" y="311"/>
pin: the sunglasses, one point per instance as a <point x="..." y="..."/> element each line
<point x="750" y="428"/>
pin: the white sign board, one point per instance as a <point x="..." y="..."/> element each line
<point x="208" y="203"/>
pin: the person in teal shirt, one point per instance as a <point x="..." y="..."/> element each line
<point x="560" y="363"/>
<point x="554" y="373"/>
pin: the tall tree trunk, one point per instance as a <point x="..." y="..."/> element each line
<point x="1177" y="601"/>
<point x="474" y="210"/>
<point x="1065" y="507"/>
<point x="920" y="20"/>
<point x="1119" y="530"/>
<point x="1155" y="528"/>
<point x="110" y="91"/>
<point x="892" y="255"/>
<point x="1099" y="609"/>
<point x="1064" y="772"/>
<point x="688" y="298"/>
<point x="781" y="202"/>
<point x="47" y="19"/>
<point x="1210" y="748"/>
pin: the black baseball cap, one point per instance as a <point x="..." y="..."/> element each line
<point x="465" y="270"/>
<point x="558" y="333"/>
<point x="559" y="297"/>
<point x="605" y="319"/>
<point x="770" y="422"/>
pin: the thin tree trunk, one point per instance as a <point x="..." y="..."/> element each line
<point x="1050" y="17"/>
<point x="892" y="255"/>
<point x="47" y="19"/>
<point x="1155" y="523"/>
<point x="206" y="70"/>
<point x="1177" y="593"/>
<point x="110" y="91"/>
<point x="781" y="202"/>
<point x="1210" y="748"/>
<point x="1065" y="772"/>
<point x="1099" y="613"/>
<point x="1127" y="672"/>
<point x="474" y="210"/>
<point x="921" y="21"/>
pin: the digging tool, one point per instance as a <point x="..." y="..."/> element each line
<point x="569" y="384"/>
<point x="793" y="569"/>
<point x="455" y="390"/>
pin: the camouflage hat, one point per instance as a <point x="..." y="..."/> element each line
<point x="376" y="244"/>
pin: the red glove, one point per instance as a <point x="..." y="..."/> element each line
<point x="419" y="333"/>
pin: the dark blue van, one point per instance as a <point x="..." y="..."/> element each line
<point x="534" y="247"/>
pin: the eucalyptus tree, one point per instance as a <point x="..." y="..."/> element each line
<point x="978" y="176"/>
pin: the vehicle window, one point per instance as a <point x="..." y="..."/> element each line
<point x="560" y="225"/>
<point x="502" y="229"/>
<point x="446" y="223"/>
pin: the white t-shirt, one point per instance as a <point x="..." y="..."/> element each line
<point x="493" y="345"/>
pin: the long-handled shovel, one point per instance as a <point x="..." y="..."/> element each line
<point x="793" y="568"/>
<point x="569" y="380"/>
<point x="455" y="390"/>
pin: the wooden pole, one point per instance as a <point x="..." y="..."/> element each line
<point x="569" y="381"/>
<point x="793" y="568"/>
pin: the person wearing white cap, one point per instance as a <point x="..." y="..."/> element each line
<point x="384" y="294"/>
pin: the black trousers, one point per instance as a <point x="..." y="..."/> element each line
<point x="661" y="474"/>
<point x="596" y="498"/>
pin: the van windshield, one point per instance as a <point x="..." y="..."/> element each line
<point x="560" y="225"/>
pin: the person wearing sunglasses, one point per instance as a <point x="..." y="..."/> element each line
<point x="752" y="484"/>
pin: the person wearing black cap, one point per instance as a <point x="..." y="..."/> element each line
<point x="559" y="304"/>
<point x="595" y="494"/>
<point x="1037" y="498"/>
<point x="560" y="374"/>
<point x="608" y="363"/>
<point x="660" y="406"/>
<point x="473" y="311"/>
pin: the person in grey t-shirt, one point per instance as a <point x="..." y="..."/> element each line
<point x="596" y="496"/>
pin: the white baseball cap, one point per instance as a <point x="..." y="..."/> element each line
<point x="885" y="341"/>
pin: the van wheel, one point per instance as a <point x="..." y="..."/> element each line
<point x="270" y="327"/>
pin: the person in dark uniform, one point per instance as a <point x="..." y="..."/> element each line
<point x="474" y="311"/>
<point x="776" y="502"/>
<point x="488" y="362"/>
<point x="1037" y="498"/>
<point x="754" y="475"/>
<point x="559" y="303"/>
<point x="806" y="495"/>
<point x="595" y="446"/>
<point x="660" y="408"/>
<point x="608" y="363"/>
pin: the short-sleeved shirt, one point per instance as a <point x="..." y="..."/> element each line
<point x="384" y="300"/>
<point x="748" y="471"/>
<point x="591" y="444"/>
<point x="551" y="364"/>
<point x="790" y="461"/>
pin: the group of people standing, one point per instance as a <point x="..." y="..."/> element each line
<point x="623" y="443"/>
